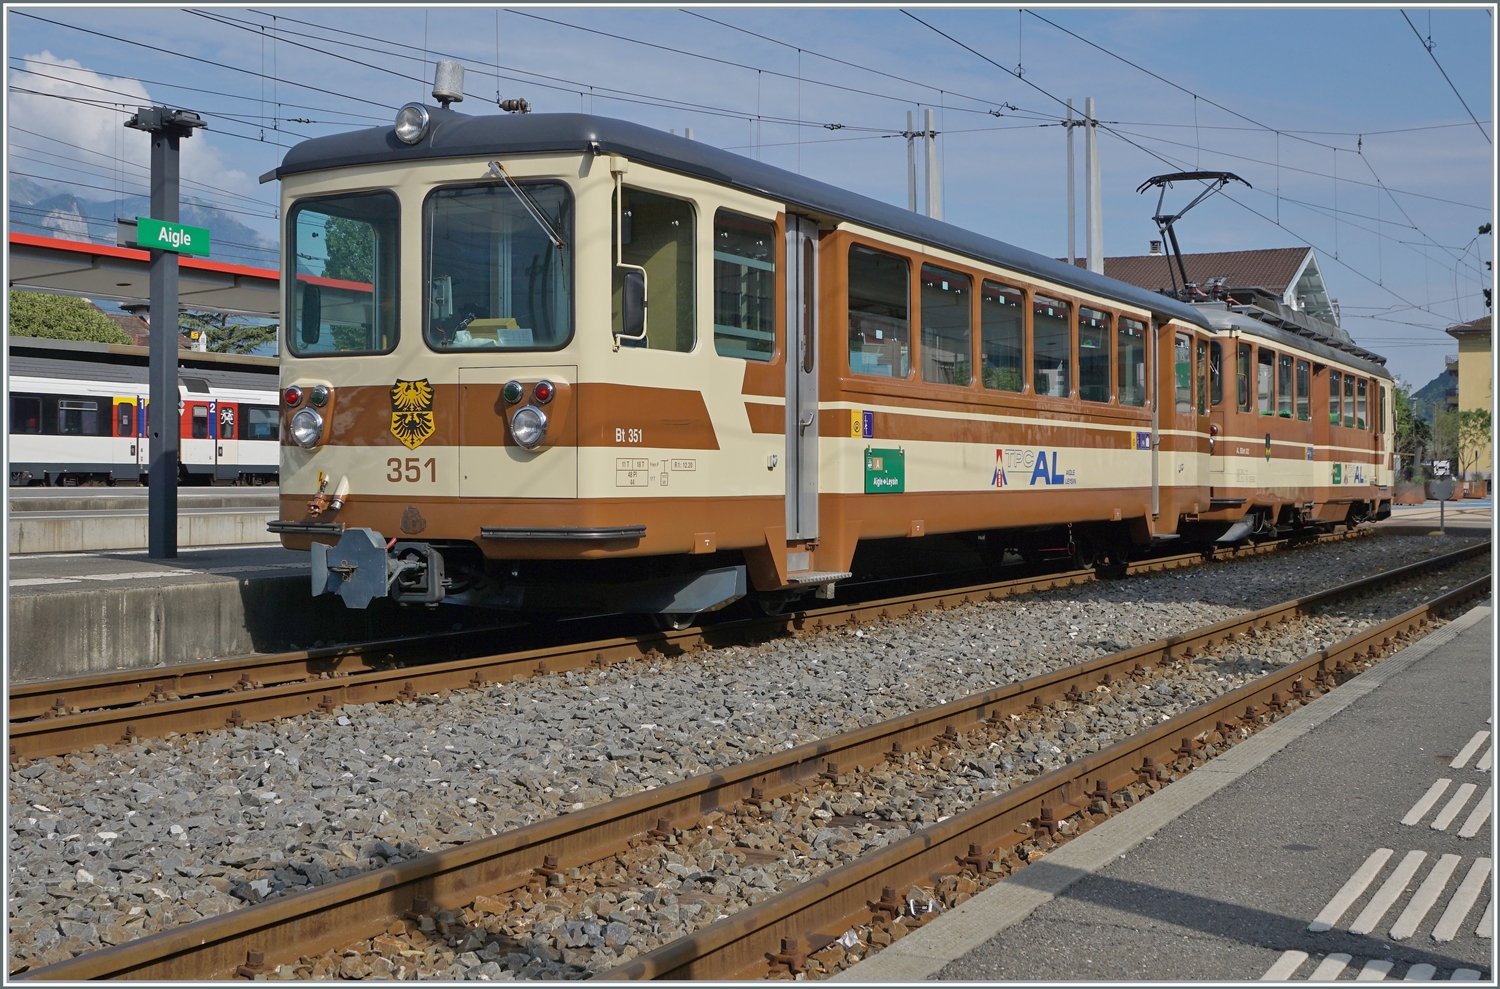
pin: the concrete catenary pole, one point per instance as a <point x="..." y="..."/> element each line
<point x="911" y="162"/>
<point x="934" y="180"/>
<point x="1095" y="209"/>
<point x="1072" y="195"/>
<point x="167" y="128"/>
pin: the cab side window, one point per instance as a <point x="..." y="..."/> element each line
<point x="657" y="235"/>
<point x="1304" y="391"/>
<point x="744" y="287"/>
<point x="1182" y="371"/>
<point x="1242" y="378"/>
<point x="1265" y="382"/>
<point x="1335" y="390"/>
<point x="1284" y="386"/>
<point x="879" y="308"/>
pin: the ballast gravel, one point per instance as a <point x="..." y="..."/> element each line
<point x="124" y="841"/>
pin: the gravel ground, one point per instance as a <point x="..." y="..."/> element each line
<point x="125" y="841"/>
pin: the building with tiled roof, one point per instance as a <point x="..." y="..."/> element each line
<point x="1288" y="274"/>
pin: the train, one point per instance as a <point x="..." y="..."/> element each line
<point x="564" y="361"/>
<point x="78" y="416"/>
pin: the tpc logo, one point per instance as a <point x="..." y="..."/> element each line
<point x="1033" y="464"/>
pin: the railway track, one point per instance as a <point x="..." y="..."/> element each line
<point x="432" y="892"/>
<point x="58" y="716"/>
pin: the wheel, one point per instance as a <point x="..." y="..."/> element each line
<point x="1084" y="555"/>
<point x="673" y="621"/>
<point x="772" y="605"/>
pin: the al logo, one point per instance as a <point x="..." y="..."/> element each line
<point x="412" y="421"/>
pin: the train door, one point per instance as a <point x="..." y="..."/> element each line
<point x="142" y="442"/>
<point x="1216" y="417"/>
<point x="801" y="380"/>
<point x="124" y="454"/>
<point x="1187" y="467"/>
<point x="197" y="445"/>
<point x="227" y="450"/>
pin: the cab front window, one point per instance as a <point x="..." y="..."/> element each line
<point x="496" y="276"/>
<point x="345" y="274"/>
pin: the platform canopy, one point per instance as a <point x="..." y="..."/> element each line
<point x="123" y="275"/>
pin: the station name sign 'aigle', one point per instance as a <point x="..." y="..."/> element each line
<point x="165" y="236"/>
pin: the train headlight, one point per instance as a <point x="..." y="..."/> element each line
<point x="411" y="123"/>
<point x="307" y="429"/>
<point x="529" y="426"/>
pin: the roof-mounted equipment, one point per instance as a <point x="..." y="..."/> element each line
<point x="1217" y="181"/>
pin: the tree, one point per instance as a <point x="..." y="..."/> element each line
<point x="226" y="334"/>
<point x="351" y="250"/>
<point x="61" y="317"/>
<point x="1473" y="429"/>
<point x="1413" y="435"/>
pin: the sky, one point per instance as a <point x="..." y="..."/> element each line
<point x="1342" y="121"/>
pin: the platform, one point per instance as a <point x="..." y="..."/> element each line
<point x="1220" y="875"/>
<point x="1462" y="517"/>
<point x="80" y="520"/>
<point x="78" y="613"/>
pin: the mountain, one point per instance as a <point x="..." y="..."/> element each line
<point x="50" y="212"/>
<point x="1432" y="396"/>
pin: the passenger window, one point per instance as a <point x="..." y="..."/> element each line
<point x="1051" y="333"/>
<point x="1242" y="378"/>
<point x="744" y="287"/>
<point x="1093" y="354"/>
<point x="345" y="261"/>
<point x="1182" y="366"/>
<point x="879" y="326"/>
<point x="1349" y="400"/>
<point x="77" y="417"/>
<point x="1360" y="405"/>
<point x="1215" y="373"/>
<point x="1130" y="345"/>
<point x="25" y="414"/>
<point x="947" y="327"/>
<point x="1304" y="391"/>
<point x="658" y="236"/>
<point x="261" y="422"/>
<point x="1202" y="377"/>
<point x="1265" y="382"/>
<point x="1284" y="396"/>
<point x="495" y="278"/>
<point x="1335" y="390"/>
<point x="1002" y="337"/>
<point x="1382" y="427"/>
<point x="200" y="422"/>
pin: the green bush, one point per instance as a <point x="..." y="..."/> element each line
<point x="60" y="317"/>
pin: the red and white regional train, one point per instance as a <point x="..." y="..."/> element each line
<point x="559" y="361"/>
<point x="78" y="416"/>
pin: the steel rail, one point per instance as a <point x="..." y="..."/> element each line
<point x="331" y="916"/>
<point x="745" y="944"/>
<point x="209" y="696"/>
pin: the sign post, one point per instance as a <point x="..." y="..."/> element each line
<point x="167" y="128"/>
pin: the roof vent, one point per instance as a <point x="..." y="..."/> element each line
<point x="1156" y="247"/>
<point x="448" y="83"/>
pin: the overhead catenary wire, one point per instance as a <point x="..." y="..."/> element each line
<point x="1446" y="79"/>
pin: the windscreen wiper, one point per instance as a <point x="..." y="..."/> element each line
<point x="499" y="172"/>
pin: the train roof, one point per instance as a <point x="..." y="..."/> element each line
<point x="135" y="376"/>
<point x="1225" y="318"/>
<point x="458" y="135"/>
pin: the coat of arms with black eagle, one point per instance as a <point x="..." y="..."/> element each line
<point x="412" y="420"/>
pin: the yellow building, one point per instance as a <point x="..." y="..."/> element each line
<point x="1476" y="380"/>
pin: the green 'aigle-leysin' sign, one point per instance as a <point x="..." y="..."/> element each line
<point x="164" y="236"/>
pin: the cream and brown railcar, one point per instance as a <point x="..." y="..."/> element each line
<point x="543" y="361"/>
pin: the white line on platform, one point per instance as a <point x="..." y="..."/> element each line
<point x="1468" y="750"/>
<point x="1477" y="817"/>
<point x="1329" y="968"/>
<point x="1388" y="894"/>
<point x="1462" y="902"/>
<point x="1449" y="812"/>
<point x="1351" y="890"/>
<point x="1420" y="973"/>
<point x="1375" y="971"/>
<point x="1426" y="895"/>
<point x="1422" y="806"/>
<point x="1486" y="928"/>
<point x="1484" y="763"/>
<point x="1284" y="966"/>
<point x="1465" y="975"/>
